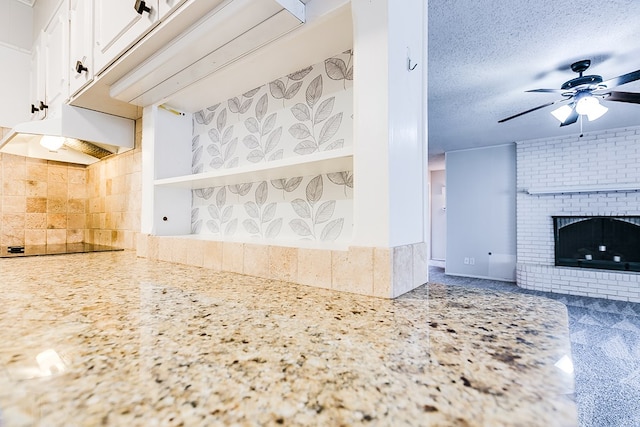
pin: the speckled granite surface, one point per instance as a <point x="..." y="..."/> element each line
<point x="109" y="339"/>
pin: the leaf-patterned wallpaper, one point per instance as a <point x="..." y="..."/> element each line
<point x="302" y="113"/>
<point x="315" y="208"/>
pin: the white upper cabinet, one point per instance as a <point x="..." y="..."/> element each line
<point x="56" y="61"/>
<point x="37" y="76"/>
<point x="168" y="6"/>
<point x="118" y="25"/>
<point x="80" y="44"/>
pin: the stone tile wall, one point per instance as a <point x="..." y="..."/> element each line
<point x="42" y="202"/>
<point x="114" y="189"/>
<point x="45" y="202"/>
<point x="380" y="272"/>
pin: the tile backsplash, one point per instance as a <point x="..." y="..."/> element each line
<point x="43" y="202"/>
<point x="46" y="202"/>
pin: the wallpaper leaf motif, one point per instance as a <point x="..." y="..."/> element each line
<point x="205" y="117"/>
<point x="241" y="189"/>
<point x="204" y="193"/>
<point x="300" y="227"/>
<point x="259" y="214"/>
<point x="324" y="110"/>
<point x="252" y="92"/>
<point x="337" y="69"/>
<point x="239" y="105"/>
<point x="314" y="91"/>
<point x="325" y="212"/>
<point x="305" y="113"/>
<point x="332" y="230"/>
<point x="273" y="229"/>
<point x="223" y="145"/>
<point x="221" y="215"/>
<point x="301" y="112"/>
<point x="196" y="224"/>
<point x="196" y="156"/>
<point x="258" y="129"/>
<point x="286" y="185"/>
<point x="310" y="217"/>
<point x="344" y="178"/>
<point x="301" y="74"/>
<point x="196" y="149"/>
<point x="282" y="90"/>
<point x="302" y="208"/>
<point x="314" y="190"/>
<point x="330" y="128"/>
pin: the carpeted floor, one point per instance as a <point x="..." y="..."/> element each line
<point x="605" y="344"/>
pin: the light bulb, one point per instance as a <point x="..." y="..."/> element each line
<point x="52" y="143"/>
<point x="562" y="113"/>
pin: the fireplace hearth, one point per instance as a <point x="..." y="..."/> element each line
<point x="602" y="242"/>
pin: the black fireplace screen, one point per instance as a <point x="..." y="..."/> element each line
<point x="605" y="242"/>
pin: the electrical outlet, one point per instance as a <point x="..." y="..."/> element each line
<point x="466" y="260"/>
<point x="472" y="261"/>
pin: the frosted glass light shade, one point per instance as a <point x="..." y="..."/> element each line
<point x="52" y="143"/>
<point x="562" y="113"/>
<point x="590" y="107"/>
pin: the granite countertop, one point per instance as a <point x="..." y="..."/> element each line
<point x="111" y="339"/>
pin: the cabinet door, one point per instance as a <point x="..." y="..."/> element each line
<point x="57" y="60"/>
<point x="168" y="6"/>
<point x="80" y="44"/>
<point x="37" y="72"/>
<point x="118" y="25"/>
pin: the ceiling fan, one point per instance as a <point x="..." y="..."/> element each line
<point x="582" y="95"/>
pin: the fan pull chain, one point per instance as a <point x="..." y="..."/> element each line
<point x="581" y="134"/>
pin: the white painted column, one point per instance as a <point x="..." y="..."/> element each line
<point x="390" y="143"/>
<point x="390" y="147"/>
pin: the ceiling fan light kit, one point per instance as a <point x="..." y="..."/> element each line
<point x="583" y="93"/>
<point x="562" y="113"/>
<point x="590" y="107"/>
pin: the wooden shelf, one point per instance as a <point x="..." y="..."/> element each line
<point x="311" y="164"/>
<point x="597" y="188"/>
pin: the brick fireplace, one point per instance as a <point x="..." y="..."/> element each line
<point x="595" y="175"/>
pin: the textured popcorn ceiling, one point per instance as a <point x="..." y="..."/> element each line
<point x="483" y="55"/>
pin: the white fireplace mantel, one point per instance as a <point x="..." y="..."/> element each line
<point x="584" y="188"/>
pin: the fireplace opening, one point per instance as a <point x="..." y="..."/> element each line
<point x="604" y="242"/>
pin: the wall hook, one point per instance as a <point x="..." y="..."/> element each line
<point x="409" y="67"/>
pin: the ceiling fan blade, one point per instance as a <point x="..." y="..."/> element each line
<point x="573" y="117"/>
<point x="631" y="97"/>
<point x="548" y="90"/>
<point x="531" y="110"/>
<point x="620" y="80"/>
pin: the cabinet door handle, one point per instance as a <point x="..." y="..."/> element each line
<point x="141" y="7"/>
<point x="34" y="109"/>
<point x="80" y="68"/>
<point x="43" y="106"/>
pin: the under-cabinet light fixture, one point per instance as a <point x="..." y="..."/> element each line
<point x="52" y="143"/>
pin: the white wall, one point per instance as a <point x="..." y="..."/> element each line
<point x="15" y="46"/>
<point x="599" y="158"/>
<point x="15" y="25"/>
<point x="481" y="212"/>
<point x="438" y="215"/>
